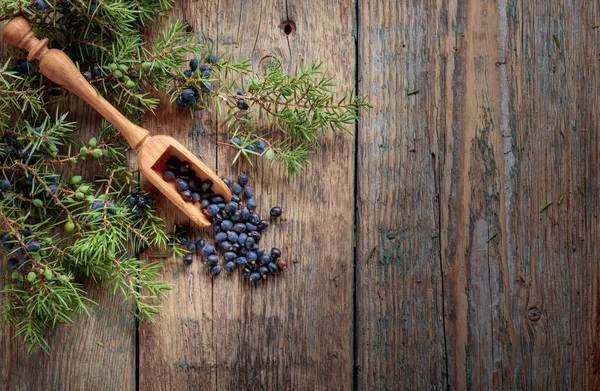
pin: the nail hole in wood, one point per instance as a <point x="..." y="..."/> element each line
<point x="288" y="27"/>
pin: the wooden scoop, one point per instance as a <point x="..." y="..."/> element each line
<point x="153" y="152"/>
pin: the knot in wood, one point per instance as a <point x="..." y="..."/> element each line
<point x="534" y="314"/>
<point x="288" y="27"/>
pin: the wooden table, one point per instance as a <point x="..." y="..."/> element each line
<point x="419" y="255"/>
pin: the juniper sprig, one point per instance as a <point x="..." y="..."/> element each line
<point x="61" y="226"/>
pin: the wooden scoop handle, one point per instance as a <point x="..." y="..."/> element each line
<point x="59" y="68"/>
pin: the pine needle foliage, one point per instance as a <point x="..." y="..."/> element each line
<point x="58" y="229"/>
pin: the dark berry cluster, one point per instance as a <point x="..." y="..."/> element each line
<point x="189" y="96"/>
<point x="23" y="67"/>
<point x="192" y="188"/>
<point x="259" y="146"/>
<point x="238" y="231"/>
<point x="139" y="201"/>
<point x="22" y="253"/>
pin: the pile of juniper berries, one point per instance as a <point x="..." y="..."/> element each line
<point x="238" y="227"/>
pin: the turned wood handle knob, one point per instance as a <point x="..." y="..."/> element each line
<point x="59" y="68"/>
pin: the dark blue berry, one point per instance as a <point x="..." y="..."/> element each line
<point x="227" y="225"/>
<point x="242" y="105"/>
<point x="236" y="189"/>
<point x="192" y="100"/>
<point x="27" y="231"/>
<point x="97" y="205"/>
<point x="37" y="129"/>
<point x="87" y="75"/>
<point x="215" y="271"/>
<point x="217" y="199"/>
<point x="200" y="243"/>
<point x="190" y="246"/>
<point x="212" y="260"/>
<point x="226" y="246"/>
<point x="236" y="198"/>
<point x="206" y="74"/>
<point x="245" y="214"/>
<point x="249" y="193"/>
<point x="250" y="147"/>
<point x="208" y="249"/>
<point x="236" y="217"/>
<point x="188" y="259"/>
<point x="251" y="227"/>
<point x="251" y="204"/>
<point x="241" y="261"/>
<point x="213" y="59"/>
<point x="93" y="8"/>
<point x="276" y="211"/>
<point x="254" y="218"/>
<point x="180" y="102"/>
<point x="229" y="256"/>
<point x="232" y="237"/>
<point x="250" y="242"/>
<point x="256" y="236"/>
<point x="187" y="195"/>
<point x="239" y="228"/>
<point x="273" y="268"/>
<point x="25" y="67"/>
<point x="205" y="186"/>
<point x="261" y="146"/>
<point x="265" y="259"/>
<point x="236" y="247"/>
<point x="110" y="208"/>
<point x="205" y="203"/>
<point x="187" y="93"/>
<point x="187" y="73"/>
<point x="231" y="207"/>
<point x="182" y="184"/>
<point x="212" y="209"/>
<point x="262" y="225"/>
<point x="4" y="184"/>
<point x="204" y="67"/>
<point x="34" y="247"/>
<point x="23" y="154"/>
<point x="255" y="277"/>
<point x="243" y="179"/>
<point x="251" y="256"/>
<point x="194" y="64"/>
<point x="221" y="237"/>
<point x="230" y="267"/>
<point x="236" y="141"/>
<point x="242" y="238"/>
<point x="12" y="263"/>
<point x="263" y="270"/>
<point x="196" y="197"/>
<point x="246" y="272"/>
<point x="131" y="201"/>
<point x="227" y="181"/>
<point x="96" y="71"/>
<point x="206" y="87"/>
<point x="40" y="5"/>
<point x="275" y="253"/>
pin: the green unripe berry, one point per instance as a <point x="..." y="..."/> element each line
<point x="117" y="74"/>
<point x="79" y="195"/>
<point x="112" y="67"/>
<point x="146" y="65"/>
<point x="90" y="199"/>
<point x="48" y="274"/>
<point x="63" y="278"/>
<point x="270" y="154"/>
<point x="123" y="68"/>
<point x="97" y="153"/>
<point x="83" y="151"/>
<point x="130" y="84"/>
<point x="38" y="203"/>
<point x="83" y="188"/>
<point x="75" y="180"/>
<point x="31" y="276"/>
<point x="93" y="142"/>
<point x="16" y="276"/>
<point x="69" y="227"/>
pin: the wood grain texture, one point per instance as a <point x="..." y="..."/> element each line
<point x="93" y="353"/>
<point x="399" y="329"/>
<point x="275" y="335"/>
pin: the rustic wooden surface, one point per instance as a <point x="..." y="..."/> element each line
<point x="437" y="269"/>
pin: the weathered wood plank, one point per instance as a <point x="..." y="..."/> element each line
<point x="399" y="329"/>
<point x="93" y="353"/>
<point x="518" y="131"/>
<point x="293" y="331"/>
